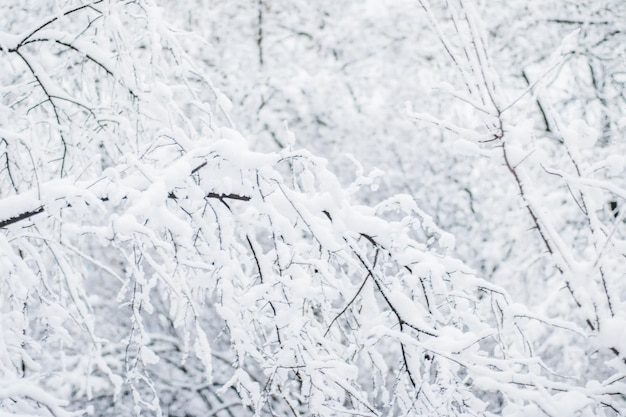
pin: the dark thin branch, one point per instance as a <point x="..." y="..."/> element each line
<point x="533" y="216"/>
<point x="369" y="274"/>
<point x="21" y="216"/>
<point x="54" y="19"/>
<point x="579" y="22"/>
<point x="382" y="292"/>
<point x="229" y="196"/>
<point x="90" y="58"/>
<point x="259" y="39"/>
<point x="535" y="219"/>
<point x="50" y="100"/>
<point x="198" y="168"/>
<point x="406" y="363"/>
<point x="41" y="209"/>
<point x="539" y="105"/>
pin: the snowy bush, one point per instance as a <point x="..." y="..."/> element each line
<point x="158" y="259"/>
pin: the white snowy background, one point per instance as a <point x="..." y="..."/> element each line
<point x="324" y="208"/>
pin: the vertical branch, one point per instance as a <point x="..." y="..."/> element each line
<point x="598" y="86"/>
<point x="539" y="105"/>
<point x="259" y="38"/>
